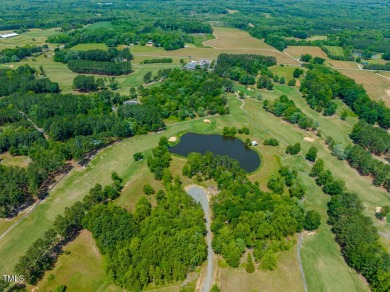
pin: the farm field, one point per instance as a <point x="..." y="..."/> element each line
<point x="336" y="64"/>
<point x="297" y="51"/>
<point x="32" y="37"/>
<point x="377" y="87"/>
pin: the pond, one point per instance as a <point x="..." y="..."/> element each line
<point x="218" y="145"/>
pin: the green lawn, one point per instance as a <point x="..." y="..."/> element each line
<point x="199" y="38"/>
<point x="90" y="46"/>
<point x="98" y="25"/>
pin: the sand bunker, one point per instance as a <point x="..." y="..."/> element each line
<point x="172" y="139"/>
<point x="207" y="121"/>
<point x="308" y="139"/>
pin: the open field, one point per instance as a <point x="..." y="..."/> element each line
<point x="377" y="87"/>
<point x="33" y="37"/>
<point x="80" y="268"/>
<point x="342" y="64"/>
<point x="335" y="50"/>
<point x="232" y="38"/>
<point x="285" y="278"/>
<point x="199" y="38"/>
<point x="297" y="51"/>
<point x="90" y="46"/>
<point x="8" y="159"/>
<point x="286" y="71"/>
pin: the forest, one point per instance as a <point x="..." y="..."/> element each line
<point x="78" y="124"/>
<point x="17" y="54"/>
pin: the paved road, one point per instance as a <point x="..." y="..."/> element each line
<point x="300" y="262"/>
<point x="200" y="196"/>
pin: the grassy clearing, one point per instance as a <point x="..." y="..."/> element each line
<point x="297" y="51"/>
<point x="98" y="25"/>
<point x="285" y="71"/>
<point x="9" y="160"/>
<point x="90" y="46"/>
<point x="199" y="38"/>
<point x="285" y="278"/>
<point x="335" y="50"/>
<point x="377" y="87"/>
<point x="80" y="268"/>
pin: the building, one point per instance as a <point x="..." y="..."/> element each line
<point x="8" y="35"/>
<point x="254" y="143"/>
<point x="149" y="44"/>
<point x="193" y="65"/>
<point x="130" y="102"/>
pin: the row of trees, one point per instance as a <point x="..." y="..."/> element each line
<point x="322" y="85"/>
<point x="244" y="216"/>
<point x="43" y="253"/>
<point x="286" y="108"/>
<point x="154" y="61"/>
<point x="355" y="233"/>
<point x="362" y="161"/>
<point x="110" y="55"/>
<point x="97" y="67"/>
<point x="384" y="67"/>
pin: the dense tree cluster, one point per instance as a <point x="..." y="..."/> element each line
<point x="111" y="55"/>
<point x="244" y="216"/>
<point x="322" y="85"/>
<point x="384" y="67"/>
<point x="85" y="83"/>
<point x="186" y="93"/>
<point x="97" y="67"/>
<point x="355" y="233"/>
<point x="160" y="159"/>
<point x="243" y="68"/>
<point x="24" y="79"/>
<point x="286" y="108"/>
<point x="153" y="245"/>
<point x="43" y="253"/>
<point x="154" y="61"/>
<point x="9" y="55"/>
<point x="271" y="142"/>
<point x="293" y="149"/>
<point x="373" y="139"/>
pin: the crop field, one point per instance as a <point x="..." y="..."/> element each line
<point x="342" y="64"/>
<point x="335" y="50"/>
<point x="377" y="87"/>
<point x="297" y="51"/>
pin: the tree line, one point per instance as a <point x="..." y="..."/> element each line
<point x="97" y="67"/>
<point x="355" y="233"/>
<point x="111" y="55"/>
<point x="9" y="55"/>
<point x="322" y="85"/>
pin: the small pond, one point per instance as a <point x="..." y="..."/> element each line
<point x="218" y="145"/>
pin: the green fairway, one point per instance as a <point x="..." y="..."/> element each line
<point x="335" y="50"/>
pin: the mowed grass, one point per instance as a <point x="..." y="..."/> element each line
<point x="285" y="71"/>
<point x="335" y="50"/>
<point x="79" y="268"/>
<point x="199" y="38"/>
<point x="377" y="87"/>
